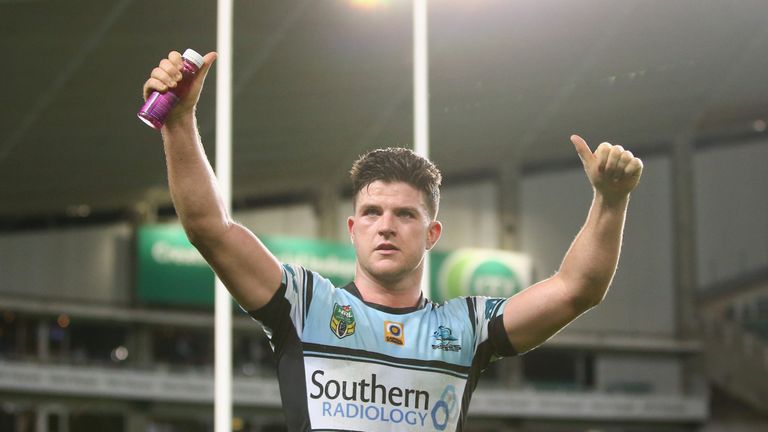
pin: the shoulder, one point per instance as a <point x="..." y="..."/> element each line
<point x="297" y="277"/>
<point x="487" y="306"/>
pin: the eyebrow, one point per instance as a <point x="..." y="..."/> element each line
<point x="371" y="206"/>
<point x="407" y="208"/>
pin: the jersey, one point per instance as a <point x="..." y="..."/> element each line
<point x="347" y="365"/>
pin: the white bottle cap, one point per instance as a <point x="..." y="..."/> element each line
<point x="194" y="57"/>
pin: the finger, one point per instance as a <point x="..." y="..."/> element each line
<point x="174" y="64"/>
<point x="634" y="168"/>
<point x="176" y="58"/>
<point x="582" y="149"/>
<point x="613" y="158"/>
<point x="601" y="155"/>
<point x="172" y="70"/>
<point x="208" y="61"/>
<point x="163" y="76"/>
<point x="621" y="165"/>
<point x="153" y="85"/>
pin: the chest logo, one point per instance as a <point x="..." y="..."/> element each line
<point x="342" y="321"/>
<point x="444" y="339"/>
<point x="393" y="332"/>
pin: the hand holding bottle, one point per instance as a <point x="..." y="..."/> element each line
<point x="174" y="87"/>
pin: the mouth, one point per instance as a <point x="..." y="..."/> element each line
<point x="386" y="247"/>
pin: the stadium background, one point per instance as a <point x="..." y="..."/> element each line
<point x="678" y="345"/>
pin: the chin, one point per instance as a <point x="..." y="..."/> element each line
<point x="389" y="274"/>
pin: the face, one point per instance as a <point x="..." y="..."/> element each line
<point x="391" y="230"/>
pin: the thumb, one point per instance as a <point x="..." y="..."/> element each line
<point x="582" y="149"/>
<point x="208" y="61"/>
<point x="197" y="84"/>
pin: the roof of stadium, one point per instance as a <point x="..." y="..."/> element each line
<point x="317" y="82"/>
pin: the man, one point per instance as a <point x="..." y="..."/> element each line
<point x="375" y="355"/>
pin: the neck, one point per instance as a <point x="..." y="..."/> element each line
<point x="402" y="293"/>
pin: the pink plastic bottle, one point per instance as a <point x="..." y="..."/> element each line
<point x="158" y="105"/>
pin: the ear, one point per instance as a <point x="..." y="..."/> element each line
<point x="433" y="233"/>
<point x="350" y="224"/>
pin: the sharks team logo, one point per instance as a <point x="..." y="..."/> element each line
<point x="342" y="321"/>
<point x="444" y="339"/>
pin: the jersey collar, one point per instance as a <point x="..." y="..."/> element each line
<point x="352" y="289"/>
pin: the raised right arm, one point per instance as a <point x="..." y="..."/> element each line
<point x="249" y="271"/>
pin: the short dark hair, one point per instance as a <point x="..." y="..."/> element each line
<point x="398" y="165"/>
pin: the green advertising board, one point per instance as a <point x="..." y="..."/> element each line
<point x="484" y="272"/>
<point x="171" y="271"/>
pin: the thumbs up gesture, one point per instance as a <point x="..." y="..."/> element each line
<point x="613" y="171"/>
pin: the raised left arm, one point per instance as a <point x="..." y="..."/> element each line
<point x="537" y="313"/>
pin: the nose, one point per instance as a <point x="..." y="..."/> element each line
<point x="386" y="225"/>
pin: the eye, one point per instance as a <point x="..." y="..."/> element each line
<point x="370" y="211"/>
<point x="406" y="214"/>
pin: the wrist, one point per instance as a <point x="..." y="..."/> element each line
<point x="179" y="121"/>
<point x="617" y="201"/>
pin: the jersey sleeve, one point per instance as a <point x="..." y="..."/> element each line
<point x="491" y="340"/>
<point x="284" y="315"/>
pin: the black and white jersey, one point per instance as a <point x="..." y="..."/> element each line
<point x="347" y="365"/>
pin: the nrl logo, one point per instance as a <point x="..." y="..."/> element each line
<point x="342" y="321"/>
